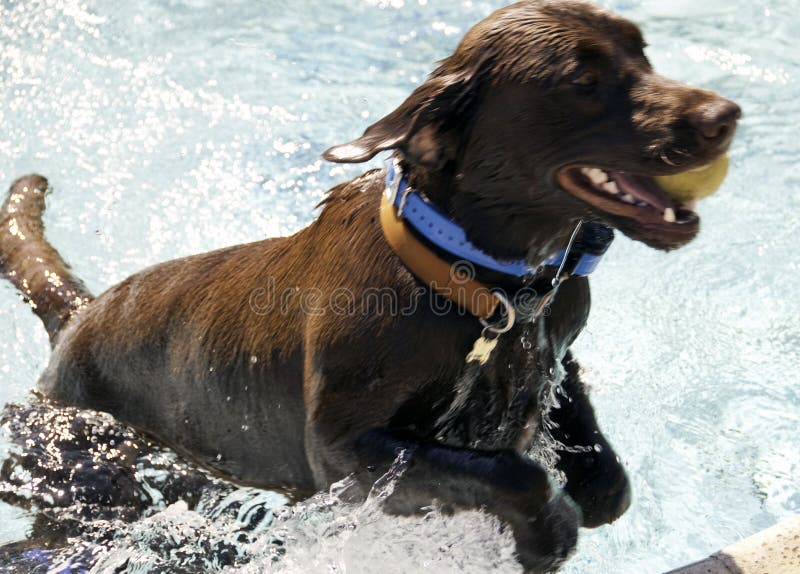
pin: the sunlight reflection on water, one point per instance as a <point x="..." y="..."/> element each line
<point x="170" y="128"/>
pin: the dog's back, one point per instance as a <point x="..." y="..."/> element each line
<point x="209" y="352"/>
<point x="171" y="344"/>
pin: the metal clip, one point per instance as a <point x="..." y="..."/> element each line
<point x="396" y="175"/>
<point x="511" y="317"/>
<point x="485" y="344"/>
<point x="402" y="205"/>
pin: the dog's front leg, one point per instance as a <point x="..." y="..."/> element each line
<point x="348" y="432"/>
<point x="514" y="488"/>
<point x="596" y="480"/>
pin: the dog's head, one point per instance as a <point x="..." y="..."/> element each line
<point x="501" y="134"/>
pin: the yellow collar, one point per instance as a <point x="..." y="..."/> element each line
<point x="444" y="278"/>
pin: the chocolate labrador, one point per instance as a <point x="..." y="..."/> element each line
<point x="297" y="361"/>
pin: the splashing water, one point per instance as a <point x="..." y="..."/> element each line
<point x="110" y="499"/>
<point x="175" y="128"/>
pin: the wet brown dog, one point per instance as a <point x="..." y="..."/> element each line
<point x="220" y="356"/>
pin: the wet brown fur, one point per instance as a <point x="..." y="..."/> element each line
<point x="33" y="265"/>
<point x="192" y="350"/>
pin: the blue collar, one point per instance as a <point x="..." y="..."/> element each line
<point x="429" y="222"/>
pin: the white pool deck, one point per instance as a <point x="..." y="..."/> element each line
<point x="775" y="550"/>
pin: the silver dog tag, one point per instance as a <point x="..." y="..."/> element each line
<point x="482" y="350"/>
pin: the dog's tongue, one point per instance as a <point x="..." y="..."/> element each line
<point x="642" y="188"/>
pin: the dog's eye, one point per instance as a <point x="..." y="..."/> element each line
<point x="586" y="80"/>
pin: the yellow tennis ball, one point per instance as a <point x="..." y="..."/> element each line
<point x="695" y="184"/>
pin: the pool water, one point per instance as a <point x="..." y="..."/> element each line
<point x="174" y="127"/>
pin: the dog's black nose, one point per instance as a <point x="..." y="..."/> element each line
<point x="715" y="121"/>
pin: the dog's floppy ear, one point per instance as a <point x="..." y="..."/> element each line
<point x="417" y="127"/>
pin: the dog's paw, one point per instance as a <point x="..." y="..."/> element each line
<point x="603" y="496"/>
<point x="547" y="539"/>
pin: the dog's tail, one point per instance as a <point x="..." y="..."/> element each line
<point x="31" y="263"/>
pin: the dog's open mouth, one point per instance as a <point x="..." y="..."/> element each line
<point x="628" y="195"/>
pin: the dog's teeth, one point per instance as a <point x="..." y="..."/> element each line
<point x="611" y="187"/>
<point x="691" y="204"/>
<point x="669" y="215"/>
<point x="596" y="176"/>
<point x="628" y="198"/>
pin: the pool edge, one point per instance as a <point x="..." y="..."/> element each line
<point x="775" y="550"/>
